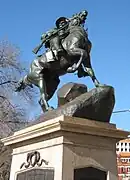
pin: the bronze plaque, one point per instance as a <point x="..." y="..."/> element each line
<point x="36" y="174"/>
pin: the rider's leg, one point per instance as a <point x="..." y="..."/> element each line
<point x="43" y="100"/>
<point x="55" y="44"/>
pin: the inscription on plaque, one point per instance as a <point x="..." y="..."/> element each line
<point x="36" y="174"/>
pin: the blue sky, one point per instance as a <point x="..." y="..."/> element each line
<point x="23" y="22"/>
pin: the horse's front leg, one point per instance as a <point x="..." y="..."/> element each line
<point x="84" y="55"/>
<point x="90" y="71"/>
<point x="93" y="77"/>
<point x="76" y="52"/>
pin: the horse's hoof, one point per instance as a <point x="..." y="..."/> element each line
<point x="50" y="108"/>
<point x="100" y="85"/>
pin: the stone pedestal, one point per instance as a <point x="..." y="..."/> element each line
<point x="65" y="148"/>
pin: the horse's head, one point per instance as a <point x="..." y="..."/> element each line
<point x="83" y="16"/>
<point x="79" y="18"/>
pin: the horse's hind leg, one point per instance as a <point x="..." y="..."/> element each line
<point x="43" y="100"/>
<point x="38" y="80"/>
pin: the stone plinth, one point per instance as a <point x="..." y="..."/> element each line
<point x="63" y="146"/>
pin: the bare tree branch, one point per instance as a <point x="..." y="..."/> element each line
<point x="12" y="105"/>
<point x="7" y="82"/>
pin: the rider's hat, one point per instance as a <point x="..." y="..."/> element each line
<point x="59" y="20"/>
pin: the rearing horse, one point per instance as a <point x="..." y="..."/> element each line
<point x="45" y="69"/>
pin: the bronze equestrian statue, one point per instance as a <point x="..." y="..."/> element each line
<point x="67" y="51"/>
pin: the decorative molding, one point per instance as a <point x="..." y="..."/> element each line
<point x="63" y="123"/>
<point x="33" y="159"/>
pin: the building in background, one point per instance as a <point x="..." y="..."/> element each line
<point x="123" y="159"/>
